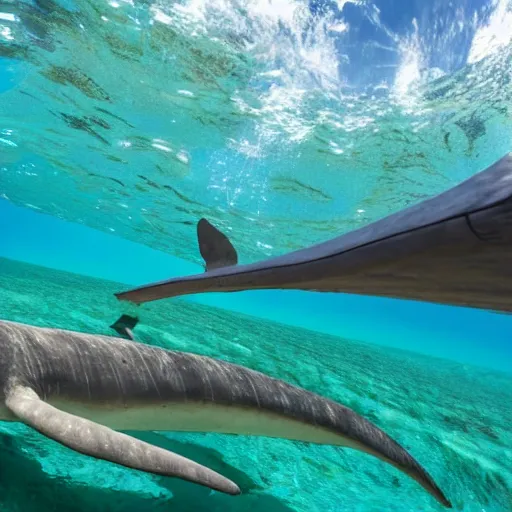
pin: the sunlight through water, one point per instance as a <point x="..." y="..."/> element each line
<point x="285" y="122"/>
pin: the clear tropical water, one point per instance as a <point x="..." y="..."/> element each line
<point x="284" y="123"/>
<point x="455" y="418"/>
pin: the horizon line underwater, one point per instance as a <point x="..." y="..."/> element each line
<point x="395" y="321"/>
<point x="255" y="255"/>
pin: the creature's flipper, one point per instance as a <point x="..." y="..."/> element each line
<point x="100" y="442"/>
<point x="124" y="326"/>
<point x="454" y="248"/>
<point x="215" y="247"/>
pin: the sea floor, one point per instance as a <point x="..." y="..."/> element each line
<point x="455" y="419"/>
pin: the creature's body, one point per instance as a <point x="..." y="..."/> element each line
<point x="75" y="388"/>
<point x="455" y="248"/>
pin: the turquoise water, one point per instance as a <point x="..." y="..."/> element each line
<point x="285" y="123"/>
<point x="454" y="418"/>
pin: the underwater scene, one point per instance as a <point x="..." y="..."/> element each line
<point x="266" y="148"/>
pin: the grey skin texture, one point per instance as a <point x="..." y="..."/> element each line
<point x="215" y="248"/>
<point x="81" y="389"/>
<point x="454" y="248"/>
